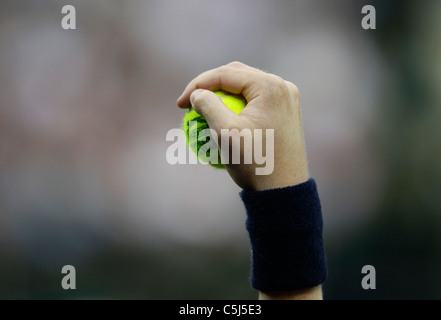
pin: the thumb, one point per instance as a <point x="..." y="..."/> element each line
<point x="211" y="107"/>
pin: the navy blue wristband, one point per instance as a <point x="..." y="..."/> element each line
<point x="286" y="232"/>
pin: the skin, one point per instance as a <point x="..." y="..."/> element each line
<point x="272" y="103"/>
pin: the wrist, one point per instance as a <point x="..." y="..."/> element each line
<point x="286" y="233"/>
<point x="287" y="175"/>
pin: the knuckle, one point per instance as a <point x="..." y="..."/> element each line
<point x="277" y="84"/>
<point x="202" y="98"/>
<point x="236" y="64"/>
<point x="293" y="89"/>
<point x="224" y="70"/>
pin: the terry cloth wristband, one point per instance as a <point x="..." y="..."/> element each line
<point x="286" y="232"/>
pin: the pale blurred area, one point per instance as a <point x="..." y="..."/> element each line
<point x="84" y="115"/>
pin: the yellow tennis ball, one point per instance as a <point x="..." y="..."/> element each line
<point x="233" y="101"/>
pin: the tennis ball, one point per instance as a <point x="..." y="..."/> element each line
<point x="233" y="101"/>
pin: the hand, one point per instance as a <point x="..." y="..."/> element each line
<point x="272" y="103"/>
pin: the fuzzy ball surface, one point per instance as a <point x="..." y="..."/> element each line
<point x="193" y="124"/>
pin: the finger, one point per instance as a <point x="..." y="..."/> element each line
<point x="229" y="78"/>
<point x="240" y="65"/>
<point x="293" y="91"/>
<point x="211" y="107"/>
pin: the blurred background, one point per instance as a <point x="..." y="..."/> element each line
<point x="84" y="114"/>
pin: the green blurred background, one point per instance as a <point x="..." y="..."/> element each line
<point x="84" y="115"/>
